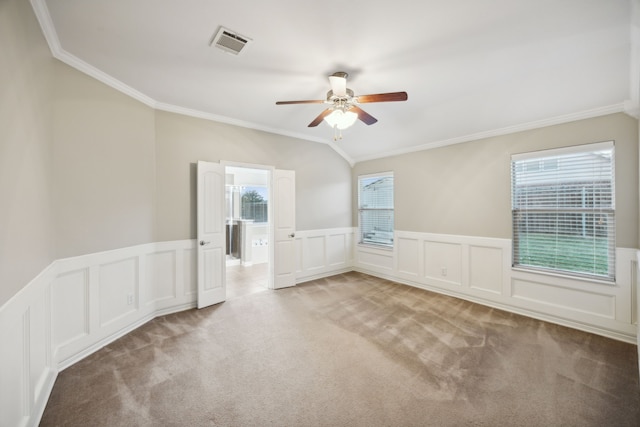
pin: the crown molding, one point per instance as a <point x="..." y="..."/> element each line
<point x="231" y="121"/>
<point x="248" y="125"/>
<point x="630" y="107"/>
<point x="103" y="77"/>
<point x="48" y="29"/>
<point x="596" y="112"/>
<point x="46" y="24"/>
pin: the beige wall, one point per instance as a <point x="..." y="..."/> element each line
<point x="124" y="174"/>
<point x="464" y="189"/>
<point x="26" y="246"/>
<point x="323" y="178"/>
<point x="78" y="162"/>
<point x="103" y="166"/>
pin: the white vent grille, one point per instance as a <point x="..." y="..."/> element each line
<point x="229" y="41"/>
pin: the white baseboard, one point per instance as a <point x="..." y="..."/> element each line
<point x="323" y="275"/>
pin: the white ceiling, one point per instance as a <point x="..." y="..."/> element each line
<point x="471" y="68"/>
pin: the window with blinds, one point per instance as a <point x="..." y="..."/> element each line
<point x="375" y="207"/>
<point x="563" y="207"/>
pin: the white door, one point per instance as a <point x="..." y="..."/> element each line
<point x="284" y="223"/>
<point x="211" y="234"/>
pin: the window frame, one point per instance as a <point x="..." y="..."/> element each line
<point x="518" y="169"/>
<point x="361" y="210"/>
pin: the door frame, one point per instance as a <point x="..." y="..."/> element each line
<point x="270" y="246"/>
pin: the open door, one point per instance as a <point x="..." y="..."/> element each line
<point x="211" y="234"/>
<point x="284" y="223"/>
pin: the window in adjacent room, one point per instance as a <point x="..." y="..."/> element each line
<point x="254" y="203"/>
<point x="563" y="208"/>
<point x="375" y="207"/>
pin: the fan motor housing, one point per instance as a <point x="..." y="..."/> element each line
<point x="332" y="97"/>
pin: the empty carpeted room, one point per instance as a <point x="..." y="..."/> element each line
<point x="351" y="214"/>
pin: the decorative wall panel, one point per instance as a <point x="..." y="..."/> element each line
<point x="316" y="250"/>
<point x="320" y="253"/>
<point x="337" y="250"/>
<point x="408" y="257"/>
<point x="486" y="268"/>
<point x="118" y="289"/>
<point x="443" y="261"/>
<point x="70" y="307"/>
<point x="565" y="298"/>
<point x="161" y="276"/>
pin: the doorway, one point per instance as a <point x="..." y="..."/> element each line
<point x="248" y="229"/>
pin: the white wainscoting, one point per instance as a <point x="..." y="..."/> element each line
<point x="27" y="371"/>
<point x="99" y="297"/>
<point x="321" y="253"/>
<point x="479" y="269"/>
<point x="78" y="305"/>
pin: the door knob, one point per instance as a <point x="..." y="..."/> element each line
<point x="292" y="235"/>
<point x="202" y="243"/>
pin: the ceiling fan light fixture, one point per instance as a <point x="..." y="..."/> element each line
<point x="344" y="109"/>
<point x="341" y="119"/>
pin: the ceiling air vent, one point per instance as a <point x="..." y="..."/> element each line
<point x="229" y="41"/>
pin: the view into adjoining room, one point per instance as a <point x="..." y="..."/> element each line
<point x="247" y="230"/>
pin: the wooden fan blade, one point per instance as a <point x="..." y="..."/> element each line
<point x="320" y="117"/>
<point x="312" y="101"/>
<point x="383" y="97"/>
<point x="363" y="115"/>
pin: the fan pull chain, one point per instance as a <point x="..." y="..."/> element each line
<point x="337" y="133"/>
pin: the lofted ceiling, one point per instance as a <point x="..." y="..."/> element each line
<point x="471" y="68"/>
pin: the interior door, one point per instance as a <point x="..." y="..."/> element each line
<point x="211" y="234"/>
<point x="284" y="223"/>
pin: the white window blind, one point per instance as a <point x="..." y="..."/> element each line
<point x="375" y="207"/>
<point x="563" y="208"/>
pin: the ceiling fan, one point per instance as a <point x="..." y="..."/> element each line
<point x="344" y="110"/>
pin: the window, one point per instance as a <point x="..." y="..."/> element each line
<point x="247" y="202"/>
<point x="564" y="211"/>
<point x="254" y="204"/>
<point x="375" y="207"/>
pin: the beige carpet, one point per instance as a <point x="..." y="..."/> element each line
<point x="350" y="350"/>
